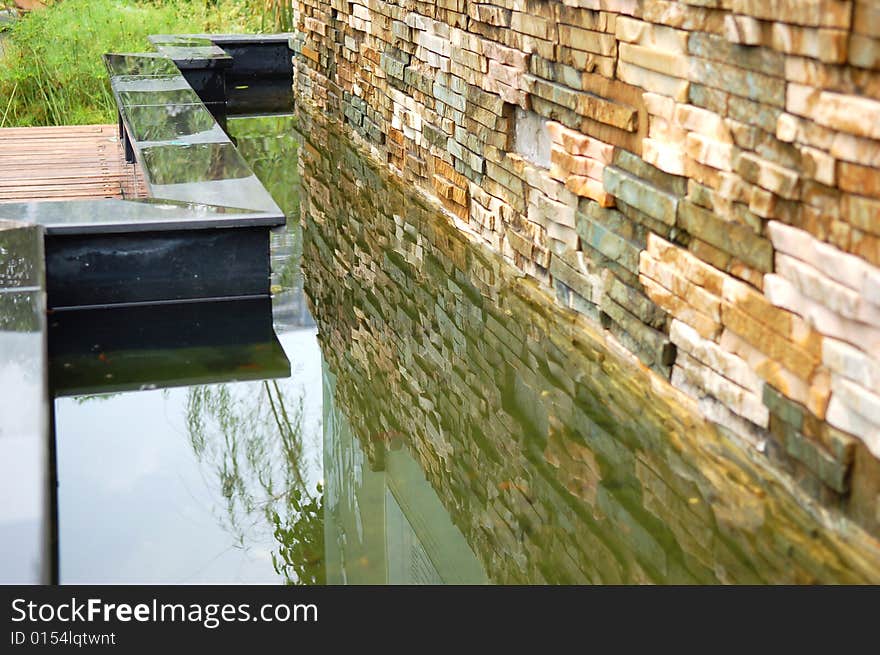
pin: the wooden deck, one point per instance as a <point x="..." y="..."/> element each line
<point x="65" y="163"/>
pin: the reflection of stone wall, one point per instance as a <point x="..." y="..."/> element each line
<point x="699" y="177"/>
<point x="556" y="453"/>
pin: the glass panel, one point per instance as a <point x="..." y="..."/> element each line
<point x="154" y="90"/>
<point x="99" y="214"/>
<point x="23" y="408"/>
<point x="179" y="123"/>
<point x="148" y="63"/>
<point x="207" y="172"/>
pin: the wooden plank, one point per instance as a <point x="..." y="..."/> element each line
<point x="68" y="162"/>
<point x="59" y="129"/>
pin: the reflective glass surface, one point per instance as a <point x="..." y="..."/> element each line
<point x="207" y="54"/>
<point x="214" y="173"/>
<point x="153" y="90"/>
<point x="133" y="214"/>
<point x="24" y="428"/>
<point x="170" y="122"/>
<point x="148" y="63"/>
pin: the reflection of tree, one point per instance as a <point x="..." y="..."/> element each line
<point x="167" y="121"/>
<point x="270" y="144"/>
<point x="251" y="437"/>
<point x="258" y="455"/>
<point x="300" y="557"/>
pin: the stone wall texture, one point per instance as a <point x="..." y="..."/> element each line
<point x="698" y="177"/>
<point x="557" y="455"/>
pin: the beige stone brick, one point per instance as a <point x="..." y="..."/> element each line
<point x="768" y="175"/>
<point x="852" y="363"/>
<point x="691" y="267"/>
<point x="588" y="40"/>
<point x="587" y="187"/>
<point x="741" y="401"/>
<point x="864" y="51"/>
<point x="543" y="211"/>
<point x="731" y="366"/>
<point x="671" y="64"/>
<point x="580" y="144"/>
<point x="505" y="55"/>
<point x="780" y="321"/>
<point x="709" y="152"/>
<point x="828" y="45"/>
<point x="743" y="30"/>
<point x="653" y="81"/>
<point x="826" y="13"/>
<point x="866" y="18"/>
<point x="818" y="165"/>
<point x="838" y="265"/>
<point x="666" y="275"/>
<point x="820" y="288"/>
<point x="855" y="149"/>
<point x="672" y="13"/>
<point x="792" y="357"/>
<point x="680" y="308"/>
<point x="784" y="294"/>
<point x="767" y="368"/>
<point x="659" y="105"/>
<point x="848" y="113"/>
<point x="858" y="179"/>
<point x="665" y="156"/>
<point x="647" y="34"/>
<point x="564" y="164"/>
<point x="787" y="128"/>
<point x="702" y="121"/>
<point x="859" y="399"/>
<point x="843" y="418"/>
<point x="665" y="131"/>
<point x="863" y="213"/>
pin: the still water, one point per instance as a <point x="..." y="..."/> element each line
<point x="194" y="483"/>
<point x="441" y="422"/>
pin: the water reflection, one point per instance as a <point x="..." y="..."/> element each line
<point x="217" y="479"/>
<point x="179" y="344"/>
<point x="385" y="524"/>
<point x="556" y="457"/>
<point x="454" y="426"/>
<point x="24" y="438"/>
<point x="183" y="485"/>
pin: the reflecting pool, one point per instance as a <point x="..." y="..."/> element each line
<point x="189" y="437"/>
<point x="408" y="409"/>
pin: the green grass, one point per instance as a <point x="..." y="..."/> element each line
<point x="51" y="71"/>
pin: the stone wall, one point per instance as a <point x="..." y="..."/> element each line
<point x="698" y="177"/>
<point x="556" y="454"/>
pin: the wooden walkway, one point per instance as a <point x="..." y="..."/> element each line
<point x="65" y="163"/>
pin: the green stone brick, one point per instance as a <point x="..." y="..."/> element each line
<point x="733" y="238"/>
<point x="637" y="192"/>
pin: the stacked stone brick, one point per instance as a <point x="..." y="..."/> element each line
<point x="700" y="177"/>
<point x="559" y="461"/>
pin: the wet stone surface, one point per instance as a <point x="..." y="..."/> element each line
<point x="558" y="457"/>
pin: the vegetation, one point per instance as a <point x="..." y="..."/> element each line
<point x="51" y="71"/>
<point x="300" y="537"/>
<point x="251" y="441"/>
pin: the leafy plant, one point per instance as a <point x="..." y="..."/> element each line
<point x="51" y="71"/>
<point x="300" y="535"/>
<point x="277" y="16"/>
